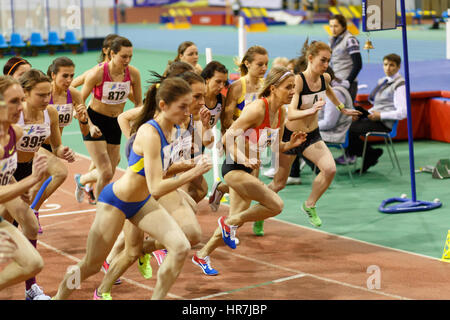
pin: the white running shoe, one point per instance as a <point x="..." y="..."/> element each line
<point x="215" y="197"/>
<point x="292" y="181"/>
<point x="270" y="173"/>
<point x="36" y="293"/>
<point x="79" y="190"/>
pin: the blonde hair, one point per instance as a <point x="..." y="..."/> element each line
<point x="280" y="62"/>
<point x="275" y="77"/>
<point x="6" y="82"/>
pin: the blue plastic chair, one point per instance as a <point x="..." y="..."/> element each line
<point x="36" y="40"/>
<point x="387" y="141"/>
<point x="70" y="38"/>
<point x="53" y="39"/>
<point x="3" y="44"/>
<point x="16" y="41"/>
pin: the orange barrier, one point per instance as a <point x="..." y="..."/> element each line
<point x="430" y="116"/>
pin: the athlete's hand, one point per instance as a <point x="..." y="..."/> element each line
<point x="39" y="167"/>
<point x="297" y="138"/>
<point x="81" y="111"/>
<point x="317" y="106"/>
<point x="252" y="163"/>
<point x="65" y="153"/>
<point x="7" y="246"/>
<point x="205" y="117"/>
<point x="95" y="131"/>
<point x="203" y="165"/>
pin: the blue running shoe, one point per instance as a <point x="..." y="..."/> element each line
<point x="205" y="264"/>
<point x="228" y="233"/>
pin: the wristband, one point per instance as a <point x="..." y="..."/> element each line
<point x="83" y="122"/>
<point x="340" y="107"/>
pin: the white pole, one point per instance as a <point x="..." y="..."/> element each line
<point x="242" y="38"/>
<point x="448" y="34"/>
<point x="208" y="54"/>
<point x="215" y="156"/>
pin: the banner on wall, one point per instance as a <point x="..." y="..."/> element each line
<point x="154" y="3"/>
<point x="268" y="4"/>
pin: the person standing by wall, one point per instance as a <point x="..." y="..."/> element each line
<point x="346" y="58"/>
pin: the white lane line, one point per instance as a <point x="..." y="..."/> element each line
<point x="224" y="293"/>
<point x="66" y="213"/>
<point x="360" y="241"/>
<point x="130" y="281"/>
<point x="314" y="276"/>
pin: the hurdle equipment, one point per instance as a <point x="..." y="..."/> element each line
<point x="254" y="19"/>
<point x="446" y="253"/>
<point x="177" y="18"/>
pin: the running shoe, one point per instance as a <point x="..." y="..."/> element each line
<point x="36" y="293"/>
<point x="345" y="160"/>
<point x="90" y="195"/>
<point x="312" y="215"/>
<point x="144" y="266"/>
<point x="228" y="233"/>
<point x="79" y="190"/>
<point x="36" y="213"/>
<point x="160" y="255"/>
<point x="103" y="296"/>
<point x="258" y="228"/>
<point x="269" y="173"/>
<point x="293" y="180"/>
<point x="105" y="268"/>
<point x="205" y="264"/>
<point x="216" y="196"/>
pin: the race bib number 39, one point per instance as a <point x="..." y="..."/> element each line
<point x="115" y="92"/>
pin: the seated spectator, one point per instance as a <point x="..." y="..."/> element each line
<point x="389" y="105"/>
<point x="333" y="125"/>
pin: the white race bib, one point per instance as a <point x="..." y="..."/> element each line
<point x="115" y="92"/>
<point x="215" y="114"/>
<point x="7" y="168"/>
<point x="33" y="137"/>
<point x="65" y="113"/>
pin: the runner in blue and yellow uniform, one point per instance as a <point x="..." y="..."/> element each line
<point x="131" y="198"/>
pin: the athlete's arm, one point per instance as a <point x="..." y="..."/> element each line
<point x="126" y="118"/>
<point x="297" y="137"/>
<point x="80" y="109"/>
<point x="233" y="94"/>
<point x="332" y="96"/>
<point x="148" y="140"/>
<point x="136" y="86"/>
<point x="293" y="112"/>
<point x="11" y="191"/>
<point x="251" y="117"/>
<point x="93" y="78"/>
<point x="58" y="149"/>
<point x="78" y="81"/>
